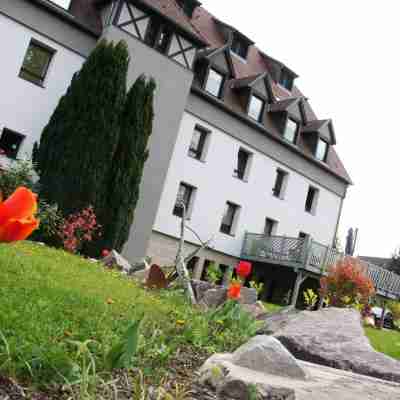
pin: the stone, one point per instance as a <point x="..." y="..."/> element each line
<point x="156" y="278"/>
<point x="200" y="288"/>
<point x="335" y="337"/>
<point x="267" y="355"/>
<point x="277" y="320"/>
<point x="114" y="259"/>
<point x="248" y="296"/>
<point x="214" y="297"/>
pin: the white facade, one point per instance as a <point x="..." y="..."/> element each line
<point x="216" y="185"/>
<point x="25" y="107"/>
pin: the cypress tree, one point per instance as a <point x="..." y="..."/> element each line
<point x="79" y="143"/>
<point x="128" y="163"/>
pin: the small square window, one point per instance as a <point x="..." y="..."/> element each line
<point x="321" y="150"/>
<point x="240" y="46"/>
<point x="229" y="218"/>
<point x="214" y="83"/>
<point x="241" y="170"/>
<point x="279" y="188"/>
<point x="36" y="63"/>
<point x="270" y="227"/>
<point x="256" y="108"/>
<point x="10" y="143"/>
<point x="291" y="129"/>
<point x="286" y="80"/>
<point x="196" y="149"/>
<point x="311" y="200"/>
<point x="185" y="196"/>
<point x="164" y="40"/>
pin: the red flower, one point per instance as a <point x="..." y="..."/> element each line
<point x="17" y="213"/>
<point x="234" y="291"/>
<point x="105" y="253"/>
<point x="243" y="269"/>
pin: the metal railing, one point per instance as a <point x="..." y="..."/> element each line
<point x="312" y="256"/>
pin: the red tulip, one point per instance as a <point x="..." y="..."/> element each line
<point x="17" y="219"/>
<point x="105" y="253"/>
<point x="234" y="291"/>
<point x="243" y="269"/>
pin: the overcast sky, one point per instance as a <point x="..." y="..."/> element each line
<point x="347" y="56"/>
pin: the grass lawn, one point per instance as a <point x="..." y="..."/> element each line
<point x="386" y="341"/>
<point x="50" y="298"/>
<point x="271" y="308"/>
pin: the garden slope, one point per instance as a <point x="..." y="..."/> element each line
<point x="49" y="297"/>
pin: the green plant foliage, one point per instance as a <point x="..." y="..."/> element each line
<point x="214" y="273"/>
<point x="310" y="298"/>
<point x="78" y="145"/>
<point x="121" y="355"/>
<point x="19" y="173"/>
<point x="394" y="307"/>
<point x="258" y="286"/>
<point x="385" y="341"/>
<point x="50" y="297"/>
<point x="126" y="169"/>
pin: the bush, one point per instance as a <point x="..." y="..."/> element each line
<point x="394" y="307"/>
<point x="19" y="173"/>
<point x="347" y="284"/>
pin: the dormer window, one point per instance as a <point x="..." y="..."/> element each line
<point x="256" y="107"/>
<point x="240" y="46"/>
<point x="321" y="150"/>
<point x="214" y="83"/>
<point x="286" y="79"/>
<point x="291" y="129"/>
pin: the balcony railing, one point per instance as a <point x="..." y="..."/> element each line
<point x="309" y="255"/>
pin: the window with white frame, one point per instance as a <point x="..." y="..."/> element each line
<point x="256" y="107"/>
<point x="279" y="189"/>
<point x="198" y="143"/>
<point x="215" y="82"/>
<point x="270" y="227"/>
<point x="321" y="150"/>
<point x="291" y="129"/>
<point x="10" y="143"/>
<point x="312" y="200"/>
<point x="184" y="197"/>
<point x="243" y="164"/>
<point x="229" y="220"/>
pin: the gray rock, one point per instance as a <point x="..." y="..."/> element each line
<point x="114" y="259"/>
<point x="277" y="320"/>
<point x="248" y="296"/>
<point x="335" y="337"/>
<point x="267" y="355"/>
<point x="214" y="297"/>
<point x="201" y="287"/>
<point x="257" y="310"/>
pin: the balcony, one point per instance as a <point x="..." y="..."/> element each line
<point x="311" y="256"/>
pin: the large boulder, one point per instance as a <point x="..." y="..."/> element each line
<point x="267" y="355"/>
<point x="333" y="337"/>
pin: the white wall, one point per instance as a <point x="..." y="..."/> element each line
<point x="215" y="185"/>
<point x="25" y="107"/>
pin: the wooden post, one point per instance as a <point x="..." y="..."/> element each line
<point x="300" y="278"/>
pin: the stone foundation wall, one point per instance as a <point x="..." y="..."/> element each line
<point x="162" y="250"/>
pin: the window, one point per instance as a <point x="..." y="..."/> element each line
<point x="10" y="142"/>
<point x="229" y="218"/>
<point x="286" y="80"/>
<point x="303" y="235"/>
<point x="321" y="150"/>
<point x="214" y="83"/>
<point x="240" y="46"/>
<point x="36" y="63"/>
<point x="185" y="195"/>
<point x="62" y="3"/>
<point x="291" y="129"/>
<point x="199" y="137"/>
<point x="280" y="184"/>
<point x="158" y="35"/>
<point x="270" y="227"/>
<point x="311" y="200"/>
<point x="256" y="107"/>
<point x="242" y="164"/>
<point x="191" y="265"/>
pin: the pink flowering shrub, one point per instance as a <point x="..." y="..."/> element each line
<point x="79" y="228"/>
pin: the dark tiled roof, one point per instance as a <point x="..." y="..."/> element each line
<point x="314" y="126"/>
<point x="283" y="105"/>
<point x="203" y="26"/>
<point x="379" y="261"/>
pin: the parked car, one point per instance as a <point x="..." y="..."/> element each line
<point x="388" y="318"/>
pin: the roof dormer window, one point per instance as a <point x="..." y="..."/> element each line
<point x="286" y="79"/>
<point x="240" y="46"/>
<point x="256" y="107"/>
<point x="291" y="129"/>
<point x="321" y="150"/>
<point x="215" y="82"/>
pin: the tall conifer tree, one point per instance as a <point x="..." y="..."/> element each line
<point x="128" y="163"/>
<point x="78" y="145"/>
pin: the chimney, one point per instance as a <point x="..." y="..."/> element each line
<point x="188" y="6"/>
